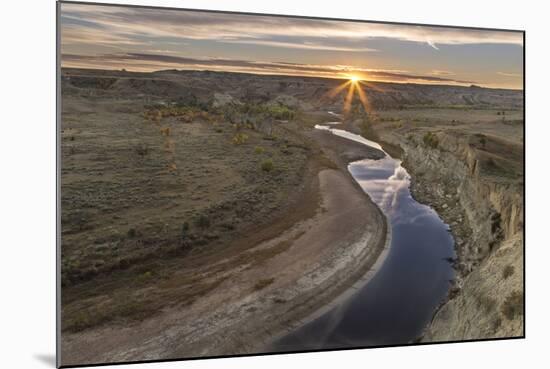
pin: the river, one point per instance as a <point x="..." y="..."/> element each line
<point x="399" y="301"/>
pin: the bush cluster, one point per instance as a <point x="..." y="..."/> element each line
<point x="430" y="139"/>
<point x="267" y="165"/>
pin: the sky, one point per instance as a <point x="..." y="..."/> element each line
<point x="144" y="39"/>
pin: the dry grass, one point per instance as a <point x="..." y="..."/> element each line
<point x="130" y="238"/>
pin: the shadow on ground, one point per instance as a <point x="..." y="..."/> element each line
<point x="48" y="359"/>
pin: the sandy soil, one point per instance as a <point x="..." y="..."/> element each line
<point x="310" y="263"/>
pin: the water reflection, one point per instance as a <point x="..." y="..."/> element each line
<point x="350" y="136"/>
<point x="400" y="299"/>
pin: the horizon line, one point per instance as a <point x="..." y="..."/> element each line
<point x="472" y="85"/>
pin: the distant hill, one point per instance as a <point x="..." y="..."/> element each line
<point x="311" y="91"/>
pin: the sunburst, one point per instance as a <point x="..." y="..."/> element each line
<point x="354" y="83"/>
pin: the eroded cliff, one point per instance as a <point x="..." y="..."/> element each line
<point x="475" y="182"/>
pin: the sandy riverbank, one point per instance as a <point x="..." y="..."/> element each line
<point x="289" y="278"/>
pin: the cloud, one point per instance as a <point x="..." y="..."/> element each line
<point x="411" y="77"/>
<point x="437" y="72"/>
<point x="516" y="75"/>
<point x="154" y="62"/>
<point x="301" y="45"/>
<point x="135" y="24"/>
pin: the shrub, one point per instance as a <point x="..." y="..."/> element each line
<point x="240" y="138"/>
<point x="497" y="323"/>
<point x="267" y="165"/>
<point x="367" y="129"/>
<point x="202" y="221"/>
<point x="280" y="112"/>
<point x="142" y="150"/>
<point x="79" y="322"/>
<point x="132" y="233"/>
<point x="228" y="226"/>
<point x="513" y="305"/>
<point x="156" y="116"/>
<point x="152" y="115"/>
<point x="507" y="271"/>
<point x="184" y="230"/>
<point x="482" y="141"/>
<point x="487" y="303"/>
<point x="431" y="140"/>
<point x="259" y="150"/>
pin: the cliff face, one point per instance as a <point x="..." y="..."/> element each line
<point x="490" y="303"/>
<point x="475" y="182"/>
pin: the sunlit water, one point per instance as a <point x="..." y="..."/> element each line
<point x="399" y="301"/>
